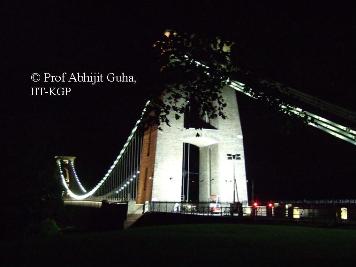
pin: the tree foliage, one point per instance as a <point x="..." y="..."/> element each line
<point x="35" y="193"/>
<point x="192" y="70"/>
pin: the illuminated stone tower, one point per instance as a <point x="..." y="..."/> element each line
<point x="66" y="161"/>
<point x="162" y="154"/>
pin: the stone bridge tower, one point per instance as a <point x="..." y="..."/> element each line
<point x="162" y="153"/>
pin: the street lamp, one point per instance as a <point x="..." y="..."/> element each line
<point x="234" y="157"/>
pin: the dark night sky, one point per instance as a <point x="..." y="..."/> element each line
<point x="308" y="47"/>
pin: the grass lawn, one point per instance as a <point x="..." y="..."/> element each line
<point x="192" y="245"/>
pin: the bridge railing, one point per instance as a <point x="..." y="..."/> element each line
<point x="309" y="213"/>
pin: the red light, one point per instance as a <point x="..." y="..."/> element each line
<point x="255" y="204"/>
<point x="270" y="205"/>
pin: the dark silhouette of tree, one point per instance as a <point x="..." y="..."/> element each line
<point x="194" y="69"/>
<point x="35" y="192"/>
<point x="191" y="68"/>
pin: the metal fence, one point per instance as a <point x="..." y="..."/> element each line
<point x="337" y="213"/>
<point x="202" y="208"/>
